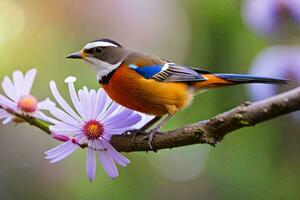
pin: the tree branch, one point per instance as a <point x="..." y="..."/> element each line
<point x="213" y="130"/>
<point x="210" y="131"/>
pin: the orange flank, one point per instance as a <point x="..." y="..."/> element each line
<point x="132" y="90"/>
<point x="211" y="82"/>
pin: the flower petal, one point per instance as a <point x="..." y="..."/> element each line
<point x="91" y="164"/>
<point x="60" y="152"/>
<point x="61" y="115"/>
<point x="83" y="104"/>
<point x="70" y="81"/>
<point x="104" y="103"/>
<point x="100" y="103"/>
<point x="40" y="115"/>
<point x="108" y="164"/>
<point x="145" y="119"/>
<point x="111" y="132"/>
<point x="65" y="129"/>
<point x="88" y="103"/>
<point x="56" y="150"/>
<point x="4" y="101"/>
<point x="129" y="121"/>
<point x="3" y="114"/>
<point x="9" y="89"/>
<point x="8" y="119"/>
<point x="28" y="81"/>
<point x="117" y="157"/>
<point x="112" y="109"/>
<point x="123" y="119"/>
<point x="18" y="80"/>
<point x="107" y="136"/>
<point x="81" y="139"/>
<point x="62" y="102"/>
<point x="46" y="104"/>
<point x="93" y="98"/>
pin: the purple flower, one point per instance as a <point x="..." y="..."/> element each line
<point x="94" y="121"/>
<point x="270" y="16"/>
<point x="276" y="61"/>
<point x="19" y="100"/>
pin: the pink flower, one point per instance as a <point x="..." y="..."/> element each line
<point x="277" y="61"/>
<point x="94" y="121"/>
<point x="272" y="16"/>
<point x="19" y="100"/>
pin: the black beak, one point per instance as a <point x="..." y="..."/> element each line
<point x="76" y="55"/>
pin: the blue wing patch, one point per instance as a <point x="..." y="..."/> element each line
<point x="170" y="73"/>
<point x="146" y="71"/>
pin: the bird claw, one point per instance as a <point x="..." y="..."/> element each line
<point x="134" y="132"/>
<point x="149" y="137"/>
<point x="146" y="135"/>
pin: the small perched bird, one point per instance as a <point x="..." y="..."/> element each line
<point x="150" y="84"/>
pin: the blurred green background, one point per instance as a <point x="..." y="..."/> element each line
<point x="260" y="162"/>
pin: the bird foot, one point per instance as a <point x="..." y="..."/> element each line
<point x="149" y="137"/>
<point x="134" y="132"/>
<point x="146" y="135"/>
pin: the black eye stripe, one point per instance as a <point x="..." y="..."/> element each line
<point x="102" y="47"/>
<point x="87" y="50"/>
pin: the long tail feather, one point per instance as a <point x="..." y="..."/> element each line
<point x="221" y="80"/>
<point x="244" y="79"/>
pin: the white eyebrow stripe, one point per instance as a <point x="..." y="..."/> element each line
<point x="96" y="44"/>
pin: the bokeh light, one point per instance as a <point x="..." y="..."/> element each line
<point x="275" y="18"/>
<point x="12" y="20"/>
<point x="175" y="166"/>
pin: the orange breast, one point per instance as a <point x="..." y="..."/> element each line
<point x="131" y="90"/>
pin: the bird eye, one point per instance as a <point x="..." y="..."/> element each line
<point x="98" y="50"/>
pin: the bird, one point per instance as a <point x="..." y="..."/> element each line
<point x="153" y="85"/>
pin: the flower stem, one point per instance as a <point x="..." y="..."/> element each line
<point x="44" y="126"/>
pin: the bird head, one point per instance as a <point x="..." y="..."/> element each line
<point x="104" y="55"/>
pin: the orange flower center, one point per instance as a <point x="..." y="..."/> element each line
<point x="28" y="104"/>
<point x="93" y="130"/>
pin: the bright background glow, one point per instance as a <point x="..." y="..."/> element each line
<point x="12" y="21"/>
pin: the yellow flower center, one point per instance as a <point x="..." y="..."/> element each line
<point x="93" y="129"/>
<point x="28" y="104"/>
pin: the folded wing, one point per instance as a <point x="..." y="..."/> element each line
<point x="170" y="72"/>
